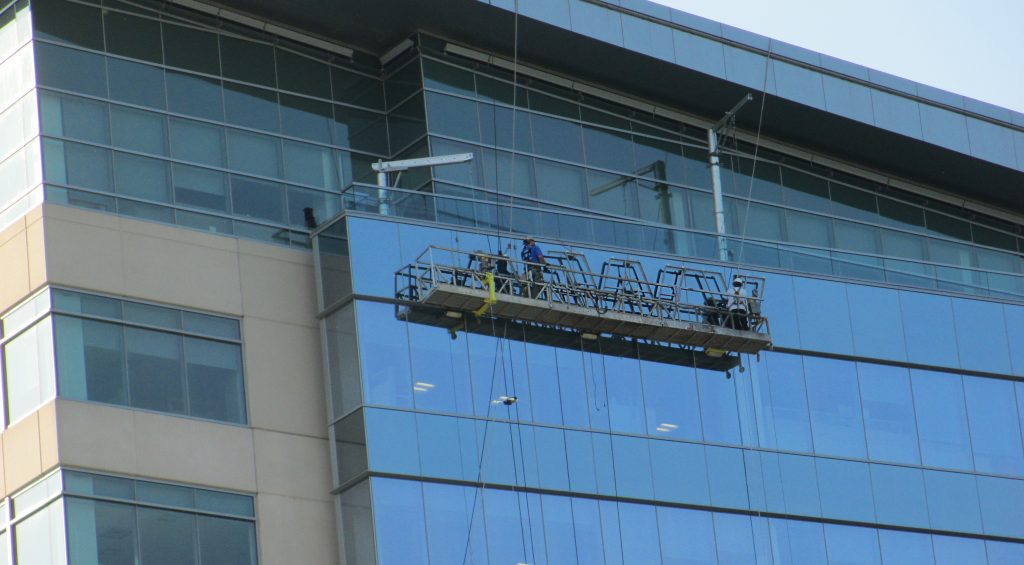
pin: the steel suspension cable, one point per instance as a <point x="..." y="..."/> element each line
<point x="757" y="147"/>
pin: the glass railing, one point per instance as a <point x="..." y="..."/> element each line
<point x="563" y="225"/>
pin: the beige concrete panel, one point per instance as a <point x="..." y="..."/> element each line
<point x="13" y="230"/>
<point x="3" y="483"/>
<point x="293" y="465"/>
<point x="34" y="215"/>
<point x="21" y="453"/>
<point x="278" y="290"/>
<point x="80" y="216"/>
<point x="36" y="253"/>
<point x="275" y="252"/>
<point x="196" y="276"/>
<point x="194" y="451"/>
<point x="83" y="255"/>
<point x="14" y="280"/>
<point x="296" y="530"/>
<point x="96" y="436"/>
<point x="284" y="377"/>
<point x="48" y="443"/>
<point x="165" y="231"/>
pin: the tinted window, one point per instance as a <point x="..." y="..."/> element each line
<point x="941" y="420"/>
<point x="835" y="407"/>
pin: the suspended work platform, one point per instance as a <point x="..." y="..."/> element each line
<point x="681" y="317"/>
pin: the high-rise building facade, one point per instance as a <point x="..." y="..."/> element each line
<point x="219" y="347"/>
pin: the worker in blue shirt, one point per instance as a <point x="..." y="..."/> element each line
<point x="534" y="259"/>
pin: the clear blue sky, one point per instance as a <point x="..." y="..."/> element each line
<point x="970" y="47"/>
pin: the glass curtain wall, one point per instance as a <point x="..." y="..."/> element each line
<point x="200" y="122"/>
<point x="20" y="162"/>
<point x="540" y="145"/>
<point x="901" y="446"/>
<point x="78" y="518"/>
<point x="100" y="349"/>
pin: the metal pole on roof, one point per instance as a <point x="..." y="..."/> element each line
<point x="716" y="175"/>
<point x="384" y="167"/>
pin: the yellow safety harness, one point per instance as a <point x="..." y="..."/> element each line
<point x="492" y="296"/>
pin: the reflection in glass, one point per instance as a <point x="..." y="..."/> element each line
<point x="155" y="371"/>
<point x="167" y="537"/>
<point x="905" y="547"/>
<point x="888" y="413"/>
<point x="90" y="360"/>
<point x="958" y="551"/>
<point x="835" y="407"/>
<point x="215" y="387"/>
<point x="952" y="501"/>
<point x="197" y="142"/>
<point x="941" y="420"/>
<point x="929" y="328"/>
<point x="138" y="130"/>
<point x="194" y="96"/>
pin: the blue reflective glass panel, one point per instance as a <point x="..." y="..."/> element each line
<point x="1003" y="552"/>
<point x="981" y="334"/>
<point x="700" y="53"/>
<point x="944" y="128"/>
<point x="781" y="309"/>
<point x="896" y="113"/>
<point x="679" y="472"/>
<point x="994" y="425"/>
<point x="448" y="509"/>
<point x="611" y="533"/>
<point x="399" y="522"/>
<point x="441" y="442"/>
<point x="545" y="396"/>
<point x="670" y="395"/>
<point x="625" y="395"/>
<point x="587" y="525"/>
<point x="734" y="539"/>
<point x="952" y="501"/>
<point x="559" y="530"/>
<point x="845" y="488"/>
<point x="991" y="142"/>
<point x="639" y="526"/>
<point x="632" y="467"/>
<point x="384" y="359"/>
<point x="726" y="477"/>
<point x="798" y="543"/>
<point x="905" y="548"/>
<point x="877" y="325"/>
<point x="848" y="545"/>
<point x="1001" y="503"/>
<point x="941" y="419"/>
<point x="391" y="441"/>
<point x="958" y="551"/>
<point x="799" y="84"/>
<point x="785" y="397"/>
<point x="648" y="38"/>
<point x="718" y="407"/>
<point x="798" y="485"/>
<point x="899" y="495"/>
<point x="928" y="327"/>
<point x="1015" y="332"/>
<point x="835" y="407"/>
<point x="687" y="537"/>
<point x="502" y="516"/>
<point x="848" y="99"/>
<point x="747" y="68"/>
<point x="888" y="413"/>
<point x="572" y="388"/>
<point x="823" y="314"/>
